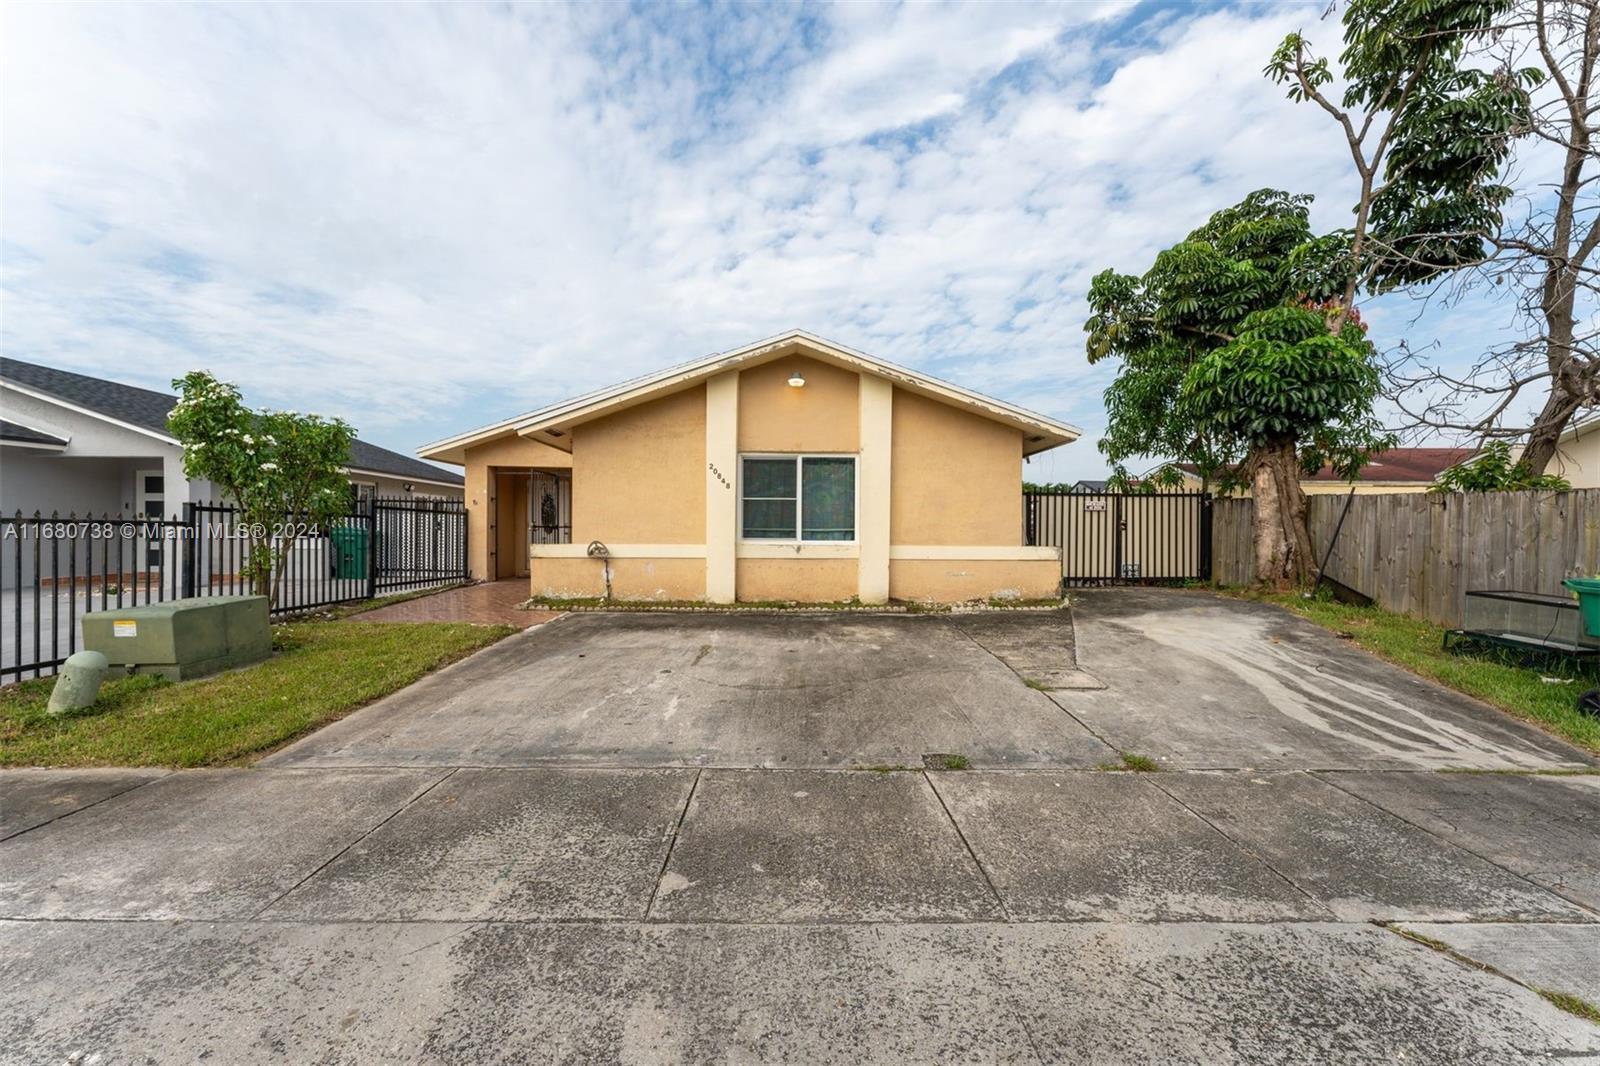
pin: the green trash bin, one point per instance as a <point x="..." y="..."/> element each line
<point x="1588" y="590"/>
<point x="350" y="546"/>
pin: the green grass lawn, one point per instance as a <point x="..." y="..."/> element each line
<point x="319" y="671"/>
<point x="1416" y="645"/>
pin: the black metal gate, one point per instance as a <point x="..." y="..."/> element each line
<point x="1110" y="538"/>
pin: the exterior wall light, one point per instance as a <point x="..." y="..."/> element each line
<point x="796" y="381"/>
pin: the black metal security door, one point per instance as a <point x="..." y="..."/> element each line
<point x="1111" y="538"/>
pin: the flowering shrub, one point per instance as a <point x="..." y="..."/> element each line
<point x="281" y="469"/>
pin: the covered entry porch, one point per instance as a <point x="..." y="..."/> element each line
<point x="528" y="505"/>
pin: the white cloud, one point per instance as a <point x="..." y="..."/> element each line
<point x="423" y="218"/>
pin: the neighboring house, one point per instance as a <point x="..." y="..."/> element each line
<point x="71" y="443"/>
<point x="1089" y="486"/>
<point x="1395" y="470"/>
<point x="790" y="469"/>
<point x="1577" y="455"/>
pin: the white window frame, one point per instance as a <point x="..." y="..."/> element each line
<point x="799" y="497"/>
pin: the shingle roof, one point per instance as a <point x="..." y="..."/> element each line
<point x="148" y="409"/>
<point x="364" y="456"/>
<point x="27" y="435"/>
<point x="1404" y="464"/>
<point x="138" y="407"/>
<point x="1409" y="465"/>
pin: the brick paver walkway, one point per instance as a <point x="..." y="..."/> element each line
<point x="489" y="603"/>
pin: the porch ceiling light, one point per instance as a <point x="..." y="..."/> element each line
<point x="796" y="381"/>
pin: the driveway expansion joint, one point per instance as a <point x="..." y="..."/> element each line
<point x="672" y="842"/>
<point x="1245" y="847"/>
<point x="441" y="779"/>
<point x="1457" y="846"/>
<point x="90" y="806"/>
<point x="999" y="900"/>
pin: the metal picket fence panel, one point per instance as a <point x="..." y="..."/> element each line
<point x="55" y="569"/>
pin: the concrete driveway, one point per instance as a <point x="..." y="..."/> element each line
<point x="691" y="838"/>
<point x="1195" y="681"/>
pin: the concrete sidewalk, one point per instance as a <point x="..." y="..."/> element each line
<point x="680" y="915"/>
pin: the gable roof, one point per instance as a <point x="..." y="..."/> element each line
<point x="1395" y="466"/>
<point x="552" y="425"/>
<point x="146" y="410"/>
<point x="20" y="434"/>
<point x="370" y="459"/>
<point x="142" y="409"/>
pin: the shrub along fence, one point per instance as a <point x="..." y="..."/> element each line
<point x="55" y="569"/>
<point x="1419" y="553"/>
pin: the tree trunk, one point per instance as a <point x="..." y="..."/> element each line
<point x="1572" y="238"/>
<point x="1282" y="541"/>
<point x="1559" y="407"/>
<point x="280" y="563"/>
<point x="261" y="578"/>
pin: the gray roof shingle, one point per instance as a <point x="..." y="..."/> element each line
<point x="148" y="409"/>
<point x="27" y="435"/>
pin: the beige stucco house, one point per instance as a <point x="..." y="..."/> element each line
<point x="789" y="469"/>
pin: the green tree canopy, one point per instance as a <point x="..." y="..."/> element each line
<point x="1237" y="354"/>
<point x="1494" y="470"/>
<point x="279" y="468"/>
<point x="1428" y="129"/>
<point x="1472" y="127"/>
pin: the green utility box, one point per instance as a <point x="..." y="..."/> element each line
<point x="180" y="639"/>
<point x="350" y="547"/>
<point x="1588" y="590"/>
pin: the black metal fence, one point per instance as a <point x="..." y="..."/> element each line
<point x="1109" y="538"/>
<point x="54" y="570"/>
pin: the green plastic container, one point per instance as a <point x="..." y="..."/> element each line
<point x="350" y="547"/>
<point x="1588" y="590"/>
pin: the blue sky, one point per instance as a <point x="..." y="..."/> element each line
<point x="428" y="218"/>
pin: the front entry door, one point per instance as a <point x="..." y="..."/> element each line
<point x="149" y="496"/>
<point x="510" y="533"/>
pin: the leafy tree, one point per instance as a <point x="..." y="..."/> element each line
<point x="1238" y="356"/>
<point x="1427" y="131"/>
<point x="279" y="468"/>
<point x="1493" y="470"/>
<point x="1442" y="98"/>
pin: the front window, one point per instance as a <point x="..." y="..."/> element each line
<point x="798" y="497"/>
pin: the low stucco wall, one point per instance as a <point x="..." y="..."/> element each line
<point x="802" y="580"/>
<point x="631" y="579"/>
<point x="952" y="581"/>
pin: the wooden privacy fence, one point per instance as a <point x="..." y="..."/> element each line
<point x="1421" y="552"/>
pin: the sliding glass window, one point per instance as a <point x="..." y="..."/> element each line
<point x="798" y="497"/>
